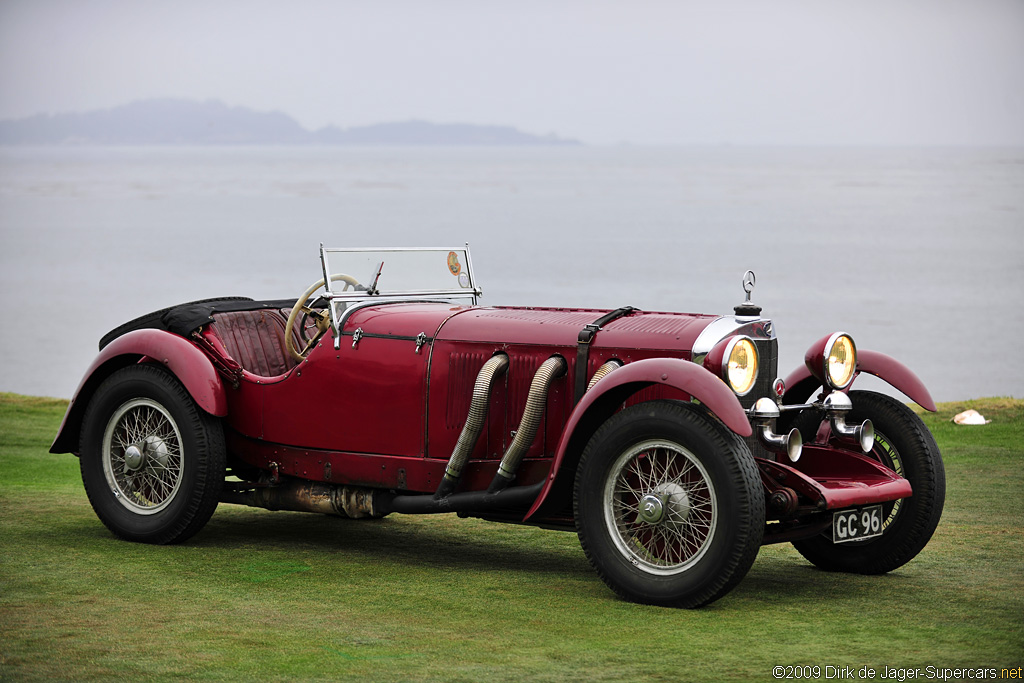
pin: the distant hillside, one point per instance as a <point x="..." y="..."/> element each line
<point x="186" y="122"/>
<point x="423" y="133"/>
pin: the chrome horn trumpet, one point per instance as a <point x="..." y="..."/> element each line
<point x="791" y="444"/>
<point x="837" y="404"/>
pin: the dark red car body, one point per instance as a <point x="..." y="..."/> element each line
<point x="367" y="421"/>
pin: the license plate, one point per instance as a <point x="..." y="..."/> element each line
<point x="854" y="525"/>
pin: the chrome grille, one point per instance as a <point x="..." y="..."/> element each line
<point x="768" y="355"/>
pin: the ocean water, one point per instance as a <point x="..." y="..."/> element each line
<point x="918" y="253"/>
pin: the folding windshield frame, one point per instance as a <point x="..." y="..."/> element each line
<point x="457" y="259"/>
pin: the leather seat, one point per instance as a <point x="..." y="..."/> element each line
<point x="255" y="339"/>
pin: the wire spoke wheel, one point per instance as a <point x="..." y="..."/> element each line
<point x="668" y="505"/>
<point x="143" y="460"/>
<point x="661" y="507"/>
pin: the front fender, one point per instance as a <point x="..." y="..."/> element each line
<point x="801" y="383"/>
<point x="190" y="365"/>
<point x="605" y="397"/>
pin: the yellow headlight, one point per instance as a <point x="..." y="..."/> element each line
<point x="840" y="361"/>
<point x="742" y="368"/>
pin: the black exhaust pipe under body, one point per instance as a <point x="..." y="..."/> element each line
<point x="358" y="502"/>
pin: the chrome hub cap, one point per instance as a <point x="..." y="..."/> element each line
<point x="157" y="449"/>
<point x="668" y="501"/>
<point x="133" y="457"/>
<point x="675" y="499"/>
<point x="652" y="509"/>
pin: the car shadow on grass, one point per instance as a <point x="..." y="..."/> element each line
<point x="436" y="540"/>
<point x="790" y="581"/>
<point x="276" y="544"/>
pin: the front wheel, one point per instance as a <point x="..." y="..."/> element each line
<point x="668" y="505"/>
<point x="904" y="445"/>
<point x="152" y="461"/>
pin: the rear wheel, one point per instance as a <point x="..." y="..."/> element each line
<point x="152" y="462"/>
<point x="668" y="506"/>
<point x="904" y="445"/>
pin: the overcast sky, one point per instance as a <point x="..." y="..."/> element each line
<point x="639" y="71"/>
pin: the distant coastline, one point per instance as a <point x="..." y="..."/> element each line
<point x="189" y="122"/>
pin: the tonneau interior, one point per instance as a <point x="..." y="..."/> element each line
<point x="255" y="339"/>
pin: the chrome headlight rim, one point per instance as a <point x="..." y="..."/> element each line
<point x="849" y="368"/>
<point x="717" y="361"/>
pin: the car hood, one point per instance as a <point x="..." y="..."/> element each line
<point x="561" y="327"/>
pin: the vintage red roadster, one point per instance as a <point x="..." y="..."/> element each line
<point x="666" y="441"/>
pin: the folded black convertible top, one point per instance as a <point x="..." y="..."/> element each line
<point x="184" y="319"/>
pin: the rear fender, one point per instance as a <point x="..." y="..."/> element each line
<point x="190" y="365"/>
<point x="608" y="395"/>
<point x="801" y="383"/>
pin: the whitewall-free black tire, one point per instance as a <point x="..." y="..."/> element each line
<point x="152" y="461"/>
<point x="903" y="444"/>
<point x="668" y="505"/>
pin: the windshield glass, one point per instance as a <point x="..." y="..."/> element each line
<point x="436" y="271"/>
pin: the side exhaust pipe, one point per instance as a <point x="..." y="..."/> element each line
<point x="474" y="423"/>
<point x="549" y="370"/>
<point x="515" y="497"/>
<point x="356" y="502"/>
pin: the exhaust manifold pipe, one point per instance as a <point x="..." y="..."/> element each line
<point x="549" y="370"/>
<point x="474" y="423"/>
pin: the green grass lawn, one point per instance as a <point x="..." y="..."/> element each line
<point x="261" y="595"/>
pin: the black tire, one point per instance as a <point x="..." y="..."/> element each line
<point x="711" y="505"/>
<point x="903" y="444"/>
<point x="155" y="319"/>
<point x="152" y="461"/>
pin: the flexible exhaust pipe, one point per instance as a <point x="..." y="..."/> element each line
<point x="549" y="370"/>
<point x="474" y="423"/>
<point x="602" y="371"/>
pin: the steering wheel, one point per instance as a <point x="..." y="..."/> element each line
<point x="322" y="318"/>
